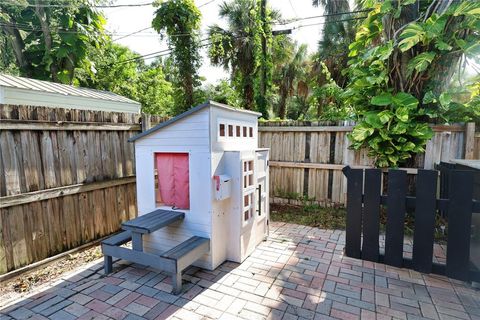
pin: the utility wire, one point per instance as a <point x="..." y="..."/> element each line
<point x="155" y="54"/>
<point x="81" y="5"/>
<point x="27" y="27"/>
<point x="131" y="34"/>
<point x="49" y="5"/>
<point x="324" y="22"/>
<point x="166" y="52"/>
<point x="319" y="16"/>
<point x="206" y="3"/>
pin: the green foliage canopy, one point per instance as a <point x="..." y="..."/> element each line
<point x="180" y="20"/>
<point x="49" y="42"/>
<point x="397" y="69"/>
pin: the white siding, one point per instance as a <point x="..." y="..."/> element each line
<point x="220" y="115"/>
<point x="189" y="135"/>
<point x="47" y="99"/>
<point x="197" y="135"/>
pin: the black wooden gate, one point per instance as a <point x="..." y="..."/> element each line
<point x="365" y="199"/>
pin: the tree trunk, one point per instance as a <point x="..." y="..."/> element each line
<point x="188" y="97"/>
<point x="18" y="46"/>
<point x="47" y="36"/>
<point x="282" y="110"/>
<point x="249" y="95"/>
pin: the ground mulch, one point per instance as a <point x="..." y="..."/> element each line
<point x="27" y="282"/>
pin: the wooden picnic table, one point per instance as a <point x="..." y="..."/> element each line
<point x="173" y="261"/>
<point x="149" y="223"/>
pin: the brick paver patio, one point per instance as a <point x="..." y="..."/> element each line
<point x="299" y="273"/>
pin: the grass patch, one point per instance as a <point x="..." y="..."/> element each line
<point x="309" y="215"/>
<point x="313" y="215"/>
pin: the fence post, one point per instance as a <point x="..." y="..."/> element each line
<point x="469" y="140"/>
<point x="146" y="122"/>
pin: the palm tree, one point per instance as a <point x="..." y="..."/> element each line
<point x="336" y="37"/>
<point x="287" y="75"/>
<point x="236" y="48"/>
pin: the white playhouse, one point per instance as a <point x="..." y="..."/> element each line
<point x="206" y="164"/>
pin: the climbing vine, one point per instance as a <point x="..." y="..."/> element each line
<point x="180" y="20"/>
<point x="400" y="68"/>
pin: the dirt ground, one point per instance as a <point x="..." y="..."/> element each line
<point x="23" y="284"/>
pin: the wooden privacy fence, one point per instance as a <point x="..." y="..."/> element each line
<point x="364" y="201"/>
<point x="67" y="177"/>
<point x="306" y="159"/>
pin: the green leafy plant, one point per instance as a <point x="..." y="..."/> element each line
<point x="49" y="42"/>
<point x="400" y="68"/>
<point x="180" y="20"/>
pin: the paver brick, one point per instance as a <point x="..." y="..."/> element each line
<point x="80" y="298"/>
<point x="136" y="308"/>
<point x="54" y="308"/>
<point x="147" y="301"/>
<point x="47" y="304"/>
<point x="303" y="276"/>
<point x="156" y="310"/>
<point x="97" y="305"/>
<point x="21" y="313"/>
<point x="339" y="314"/>
<point x="76" y="309"/>
<point x="115" y="313"/>
<point x="62" y="315"/>
<point x="123" y="302"/>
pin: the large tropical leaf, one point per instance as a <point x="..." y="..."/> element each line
<point x="412" y="35"/>
<point x="420" y="62"/>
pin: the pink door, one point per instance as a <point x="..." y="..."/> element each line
<point x="173" y="179"/>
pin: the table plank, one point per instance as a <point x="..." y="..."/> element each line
<point x="153" y="221"/>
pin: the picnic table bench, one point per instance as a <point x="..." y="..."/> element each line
<point x="173" y="261"/>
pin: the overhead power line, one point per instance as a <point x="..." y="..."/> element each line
<point x="131" y="34"/>
<point x="49" y="5"/>
<point x="166" y="52"/>
<point x="324" y="22"/>
<point x="320" y="16"/>
<point x="206" y="3"/>
<point x="155" y="54"/>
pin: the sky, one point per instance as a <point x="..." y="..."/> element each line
<point x="124" y="20"/>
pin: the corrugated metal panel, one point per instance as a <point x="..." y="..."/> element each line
<point x="62" y="89"/>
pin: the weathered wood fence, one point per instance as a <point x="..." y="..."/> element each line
<point x="306" y="159"/>
<point x="67" y="177"/>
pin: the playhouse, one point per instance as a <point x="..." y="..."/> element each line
<point x="205" y="164"/>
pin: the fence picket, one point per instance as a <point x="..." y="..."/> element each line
<point x="396" y="208"/>
<point x="459" y="224"/>
<point x="371" y="214"/>
<point x="425" y="206"/>
<point x="354" y="212"/>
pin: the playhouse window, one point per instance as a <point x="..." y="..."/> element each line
<point x="173" y="180"/>
<point x="238" y="131"/>
<point x="244" y="132"/>
<point x="230" y="130"/>
<point x="247" y="207"/>
<point x="247" y="174"/>
<point x="250" y="132"/>
<point x="222" y="130"/>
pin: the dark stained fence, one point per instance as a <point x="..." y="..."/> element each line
<point x="364" y="202"/>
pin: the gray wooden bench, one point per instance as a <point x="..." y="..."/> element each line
<point x="174" y="261"/>
<point x="115" y="240"/>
